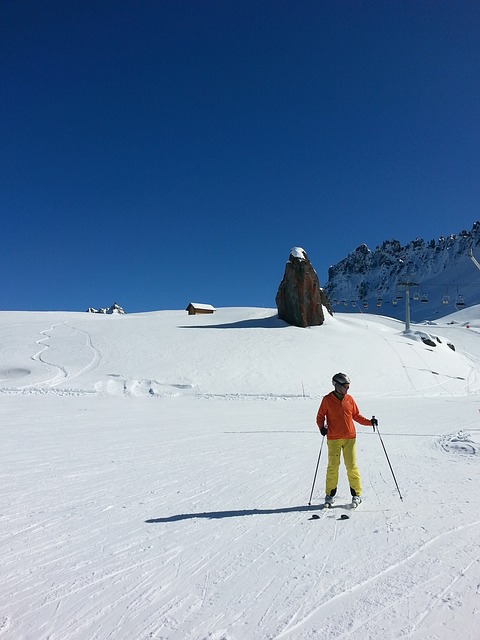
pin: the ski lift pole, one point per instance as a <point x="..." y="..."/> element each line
<point x="316" y="471"/>
<point x="406" y="286"/>
<point x="407" y="308"/>
<point x="388" y="460"/>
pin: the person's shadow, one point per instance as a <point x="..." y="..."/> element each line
<point x="215" y="515"/>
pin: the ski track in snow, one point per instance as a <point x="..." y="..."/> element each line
<point x="378" y="577"/>
<point x="181" y="580"/>
<point x="66" y="353"/>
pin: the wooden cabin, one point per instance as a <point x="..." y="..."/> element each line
<point x="195" y="308"/>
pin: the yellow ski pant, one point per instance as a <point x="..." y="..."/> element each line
<point x="335" y="447"/>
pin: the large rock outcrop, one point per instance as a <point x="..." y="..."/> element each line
<point x="300" y="299"/>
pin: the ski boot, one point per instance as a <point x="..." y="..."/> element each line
<point x="356" y="500"/>
<point x="328" y="502"/>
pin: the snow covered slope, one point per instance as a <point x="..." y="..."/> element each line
<point x="156" y="470"/>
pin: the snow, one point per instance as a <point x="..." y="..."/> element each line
<point x="156" y="470"/>
<point x="298" y="252"/>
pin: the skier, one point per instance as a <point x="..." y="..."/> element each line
<point x="340" y="410"/>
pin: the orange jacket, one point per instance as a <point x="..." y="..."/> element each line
<point x="340" y="415"/>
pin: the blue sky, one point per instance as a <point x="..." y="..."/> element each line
<point x="160" y="152"/>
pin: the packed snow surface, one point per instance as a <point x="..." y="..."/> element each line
<point x="156" y="471"/>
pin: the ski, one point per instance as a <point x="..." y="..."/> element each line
<point x="323" y="510"/>
<point x="331" y="507"/>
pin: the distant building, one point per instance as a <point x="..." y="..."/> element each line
<point x="195" y="308"/>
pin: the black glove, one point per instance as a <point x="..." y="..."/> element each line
<point x="374" y="422"/>
<point x="323" y="430"/>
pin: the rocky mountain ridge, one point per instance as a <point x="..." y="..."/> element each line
<point x="114" y="308"/>
<point x="439" y="275"/>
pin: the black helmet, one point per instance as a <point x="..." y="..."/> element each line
<point x="340" y="378"/>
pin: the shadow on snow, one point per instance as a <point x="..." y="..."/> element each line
<point x="272" y="322"/>
<point x="215" y="515"/>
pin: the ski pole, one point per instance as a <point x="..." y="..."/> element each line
<point x="316" y="470"/>
<point x="388" y="460"/>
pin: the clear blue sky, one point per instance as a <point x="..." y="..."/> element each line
<point x="160" y="152"/>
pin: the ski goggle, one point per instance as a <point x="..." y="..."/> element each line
<point x="345" y="386"/>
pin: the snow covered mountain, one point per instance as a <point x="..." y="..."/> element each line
<point x="440" y="274"/>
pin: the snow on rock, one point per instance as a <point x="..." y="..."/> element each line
<point x="115" y="308"/>
<point x="299" y="253"/>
